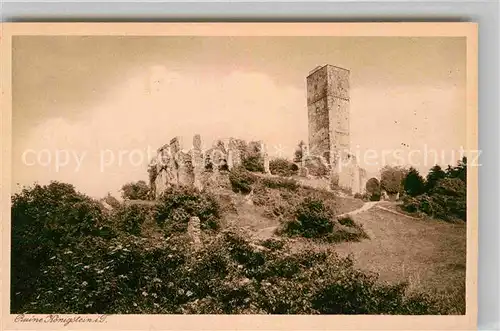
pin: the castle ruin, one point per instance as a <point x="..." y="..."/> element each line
<point x="329" y="144"/>
<point x="180" y="164"/>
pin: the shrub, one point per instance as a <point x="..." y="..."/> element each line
<point x="136" y="191"/>
<point x="447" y="201"/>
<point x="283" y="167"/>
<point x="312" y="219"/>
<point x="252" y="157"/>
<point x="62" y="266"/>
<point x="229" y="275"/>
<point x="254" y="163"/>
<point x="46" y="219"/>
<point x="298" y="154"/>
<point x="391" y="179"/>
<point x="129" y="218"/>
<point x="286" y="183"/>
<point x="347" y="221"/>
<point x="177" y="204"/>
<point x="273" y="243"/>
<point x="241" y="180"/>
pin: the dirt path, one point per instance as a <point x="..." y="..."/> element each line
<point x="366" y="206"/>
<point x="396" y="213"/>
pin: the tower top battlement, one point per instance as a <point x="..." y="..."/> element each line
<point x="326" y="66"/>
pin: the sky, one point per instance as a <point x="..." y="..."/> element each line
<point x="92" y="111"/>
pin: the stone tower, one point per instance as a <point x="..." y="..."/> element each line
<point x="328" y="111"/>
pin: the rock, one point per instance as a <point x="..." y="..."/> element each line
<point x="197" y="142"/>
<point x="194" y="231"/>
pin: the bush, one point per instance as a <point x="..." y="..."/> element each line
<point x="275" y="183"/>
<point x="273" y="244"/>
<point x="391" y="179"/>
<point x="129" y="218"/>
<point x="177" y="204"/>
<point x="283" y="167"/>
<point x="136" y="191"/>
<point x="229" y="275"/>
<point x="254" y="163"/>
<point x="447" y="201"/>
<point x="241" y="180"/>
<point x="46" y="219"/>
<point x="347" y="221"/>
<point x="312" y="219"/>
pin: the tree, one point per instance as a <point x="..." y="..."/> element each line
<point x="136" y="191"/>
<point x="414" y="183"/>
<point x="435" y="174"/>
<point x="47" y="219"/>
<point x="373" y="189"/>
<point x="459" y="171"/>
<point x="298" y="152"/>
<point x="253" y="159"/>
<point x="391" y="179"/>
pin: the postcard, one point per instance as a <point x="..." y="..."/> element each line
<point x="249" y="176"/>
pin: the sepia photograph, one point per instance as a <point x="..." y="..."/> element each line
<point x="218" y="174"/>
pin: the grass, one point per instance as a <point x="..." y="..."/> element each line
<point x="429" y="254"/>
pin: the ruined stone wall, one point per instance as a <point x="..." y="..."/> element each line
<point x="352" y="177"/>
<point x="178" y="163"/>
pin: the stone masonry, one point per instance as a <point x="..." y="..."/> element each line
<point x="179" y="164"/>
<point x="329" y="125"/>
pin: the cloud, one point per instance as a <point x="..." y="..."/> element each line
<point x="150" y="108"/>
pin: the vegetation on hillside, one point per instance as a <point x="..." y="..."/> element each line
<point x="283" y="167"/>
<point x="373" y="189"/>
<point x="442" y="195"/>
<point x="391" y="179"/>
<point x="72" y="255"/>
<point x="312" y="218"/>
<point x="301" y="211"/>
<point x="178" y="204"/>
<point x="64" y="264"/>
<point x="136" y="191"/>
<point x="252" y="158"/>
